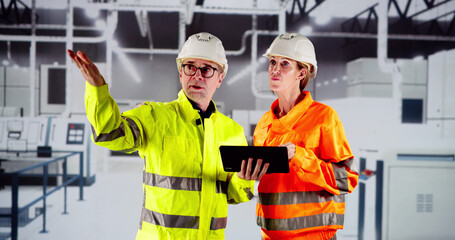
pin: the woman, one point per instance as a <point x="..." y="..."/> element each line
<point x="307" y="202"/>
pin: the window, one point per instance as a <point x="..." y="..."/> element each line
<point x="412" y="111"/>
<point x="57" y="86"/>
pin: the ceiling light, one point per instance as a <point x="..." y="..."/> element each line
<point x="306" y="30"/>
<point x="418" y="58"/>
<point x="125" y="61"/>
<point x="323" y="19"/>
<point x="114" y="43"/>
<point x="128" y="64"/>
<point x="262" y="60"/>
<point x="325" y="14"/>
<point x="101" y="24"/>
<point x="92" y="13"/>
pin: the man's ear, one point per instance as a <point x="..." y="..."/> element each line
<point x="220" y="80"/>
<point x="180" y="77"/>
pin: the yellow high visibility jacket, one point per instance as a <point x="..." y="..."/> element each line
<point x="186" y="190"/>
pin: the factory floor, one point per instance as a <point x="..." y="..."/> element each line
<point x="111" y="209"/>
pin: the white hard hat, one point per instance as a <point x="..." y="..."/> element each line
<point x="296" y="47"/>
<point x="204" y="46"/>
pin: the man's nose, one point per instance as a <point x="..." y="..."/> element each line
<point x="198" y="73"/>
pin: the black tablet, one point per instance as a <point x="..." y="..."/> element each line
<point x="232" y="157"/>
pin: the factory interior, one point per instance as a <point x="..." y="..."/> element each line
<point x="386" y="66"/>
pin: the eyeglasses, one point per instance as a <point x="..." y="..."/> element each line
<point x="206" y="71"/>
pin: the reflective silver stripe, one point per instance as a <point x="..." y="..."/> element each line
<point x="250" y="195"/>
<point x="341" y="174"/>
<point x="118" y="132"/>
<point x="106" y="137"/>
<point x="221" y="187"/>
<point x="289" y="224"/>
<point x="176" y="183"/>
<point x="351" y="165"/>
<point x="341" y="177"/>
<point x="179" y="221"/>
<point x="218" y="223"/>
<point x="179" y="183"/>
<point x="165" y="220"/>
<point x="286" y="198"/>
<point x="134" y="129"/>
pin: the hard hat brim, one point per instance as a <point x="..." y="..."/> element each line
<point x="308" y="64"/>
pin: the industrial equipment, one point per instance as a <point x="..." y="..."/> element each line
<point x="19" y="136"/>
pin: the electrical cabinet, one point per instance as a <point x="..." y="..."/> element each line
<point x="366" y="79"/>
<point x="420" y="202"/>
<point x="441" y="100"/>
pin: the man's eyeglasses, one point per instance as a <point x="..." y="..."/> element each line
<point x="190" y="70"/>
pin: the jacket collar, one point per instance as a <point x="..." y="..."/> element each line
<point x="292" y="116"/>
<point x="189" y="112"/>
<point x="207" y="113"/>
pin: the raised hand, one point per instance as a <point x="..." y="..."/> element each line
<point x="87" y="68"/>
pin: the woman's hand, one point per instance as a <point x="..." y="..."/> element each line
<point x="291" y="149"/>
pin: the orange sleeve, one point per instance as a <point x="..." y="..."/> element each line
<point x="334" y="169"/>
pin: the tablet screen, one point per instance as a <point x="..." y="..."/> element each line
<point x="232" y="157"/>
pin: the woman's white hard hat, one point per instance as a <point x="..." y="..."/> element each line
<point x="296" y="47"/>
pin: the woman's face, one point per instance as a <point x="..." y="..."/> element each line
<point x="284" y="74"/>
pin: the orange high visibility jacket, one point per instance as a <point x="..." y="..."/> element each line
<point x="307" y="202"/>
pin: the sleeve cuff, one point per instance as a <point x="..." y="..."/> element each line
<point x="97" y="92"/>
<point x="242" y="182"/>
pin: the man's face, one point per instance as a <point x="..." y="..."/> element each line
<point x="202" y="85"/>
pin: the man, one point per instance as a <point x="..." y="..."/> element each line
<point x="186" y="190"/>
